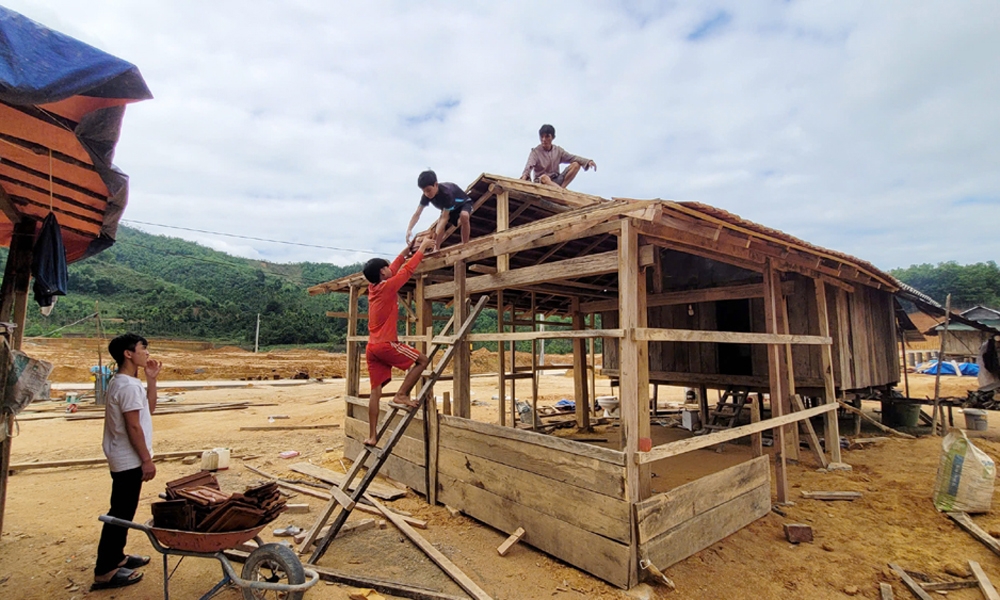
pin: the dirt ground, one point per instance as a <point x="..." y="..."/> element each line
<point x="51" y="528"/>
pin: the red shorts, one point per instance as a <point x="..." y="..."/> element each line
<point x="383" y="357"/>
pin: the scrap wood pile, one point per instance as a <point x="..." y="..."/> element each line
<point x="197" y="503"/>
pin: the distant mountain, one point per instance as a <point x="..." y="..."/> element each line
<point x="161" y="286"/>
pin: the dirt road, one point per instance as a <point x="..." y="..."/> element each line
<point x="51" y="528"/>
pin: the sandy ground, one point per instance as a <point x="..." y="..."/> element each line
<point x="51" y="528"/>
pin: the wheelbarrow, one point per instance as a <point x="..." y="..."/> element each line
<point x="271" y="571"/>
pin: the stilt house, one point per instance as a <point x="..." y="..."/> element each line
<point x="687" y="294"/>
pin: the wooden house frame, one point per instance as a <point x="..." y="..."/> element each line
<point x="663" y="276"/>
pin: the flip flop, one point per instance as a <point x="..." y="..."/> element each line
<point x="395" y="404"/>
<point x="134" y="561"/>
<point x="122" y="577"/>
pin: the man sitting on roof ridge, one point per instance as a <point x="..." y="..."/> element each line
<point x="546" y="158"/>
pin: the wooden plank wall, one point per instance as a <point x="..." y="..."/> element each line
<point x="408" y="462"/>
<point x="568" y="496"/>
<point x="676" y="524"/>
<point x="873" y="338"/>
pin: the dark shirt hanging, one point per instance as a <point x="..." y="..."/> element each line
<point x="48" y="266"/>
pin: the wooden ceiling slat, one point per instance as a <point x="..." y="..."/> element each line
<point x="38" y="210"/>
<point x="74" y="178"/>
<point x="12" y="178"/>
<point x="20" y="124"/>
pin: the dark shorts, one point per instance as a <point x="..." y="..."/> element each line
<point x="383" y="357"/>
<point x="457" y="210"/>
<point x="557" y="179"/>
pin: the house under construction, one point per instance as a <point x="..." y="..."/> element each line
<point x="686" y="295"/>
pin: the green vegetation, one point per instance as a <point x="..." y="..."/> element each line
<point x="160" y="286"/>
<point x="969" y="285"/>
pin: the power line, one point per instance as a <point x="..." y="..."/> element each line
<point x="256" y="239"/>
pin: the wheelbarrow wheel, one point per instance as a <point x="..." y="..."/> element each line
<point x="274" y="563"/>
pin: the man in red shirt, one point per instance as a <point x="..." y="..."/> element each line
<point x="384" y="351"/>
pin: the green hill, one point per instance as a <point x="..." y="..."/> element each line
<point x="167" y="287"/>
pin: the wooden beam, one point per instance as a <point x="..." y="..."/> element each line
<point x="523" y="336"/>
<point x="580" y="391"/>
<point x="425" y="324"/>
<point x="962" y="520"/>
<point x="634" y="383"/>
<point x="772" y="292"/>
<point x="812" y="439"/>
<point x="831" y="430"/>
<point x="8" y="207"/>
<point x="334" y="314"/>
<point x="725" y="435"/>
<point x="353" y="383"/>
<point x="788" y="372"/>
<point x="727" y="337"/>
<point x="13" y="303"/>
<point x="462" y="360"/>
<point x="503" y="224"/>
<point x="715" y="294"/>
<point x="910" y="584"/>
<point x="510" y="541"/>
<point x="571" y="268"/>
<point x="985" y="585"/>
<point x="561" y="195"/>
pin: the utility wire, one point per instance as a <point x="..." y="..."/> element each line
<point x="256" y="239"/>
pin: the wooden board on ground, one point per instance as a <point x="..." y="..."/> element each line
<point x="332" y="477"/>
<point x="849" y="496"/>
<point x="79" y="462"/>
<point x="510" y="541"/>
<point x="288" y="427"/>
<point x="910" y="583"/>
<point x="985" y="586"/>
<point x="965" y="522"/>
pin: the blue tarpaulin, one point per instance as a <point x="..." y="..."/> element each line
<point x="949" y="368"/>
<point x="51" y="83"/>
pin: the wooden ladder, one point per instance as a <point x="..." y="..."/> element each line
<point x="341" y="497"/>
<point x="727" y="411"/>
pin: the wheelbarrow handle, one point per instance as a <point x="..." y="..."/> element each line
<point x="133" y="525"/>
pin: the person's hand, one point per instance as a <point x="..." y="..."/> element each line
<point x="148" y="470"/>
<point x="409" y="236"/>
<point x="152" y="368"/>
<point x="427" y="242"/>
<point x="591" y="165"/>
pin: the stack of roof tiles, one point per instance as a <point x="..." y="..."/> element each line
<point x="197" y="503"/>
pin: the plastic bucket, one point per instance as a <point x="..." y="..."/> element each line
<point x="975" y="419"/>
<point x="209" y="460"/>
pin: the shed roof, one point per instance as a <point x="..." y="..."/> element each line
<point x="549" y="225"/>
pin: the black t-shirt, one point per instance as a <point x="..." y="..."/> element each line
<point x="447" y="197"/>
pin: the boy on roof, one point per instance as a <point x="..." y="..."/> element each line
<point x="454" y="204"/>
<point x="384" y="351"/>
<point x="546" y="158"/>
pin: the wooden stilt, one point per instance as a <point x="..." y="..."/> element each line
<point x="501" y="362"/>
<point x="937" y="377"/>
<point x="353" y="383"/>
<point x="831" y="430"/>
<point x="580" y="372"/>
<point x="772" y="290"/>
<point x="462" y="402"/>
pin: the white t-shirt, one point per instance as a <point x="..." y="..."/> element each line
<point x="125" y="394"/>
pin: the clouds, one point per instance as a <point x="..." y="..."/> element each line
<point x="866" y="128"/>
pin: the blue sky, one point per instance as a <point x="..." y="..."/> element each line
<point x="866" y="127"/>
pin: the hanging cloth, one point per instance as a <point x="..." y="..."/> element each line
<point x="48" y="266"/>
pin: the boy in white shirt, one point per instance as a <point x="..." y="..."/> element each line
<point x="128" y="445"/>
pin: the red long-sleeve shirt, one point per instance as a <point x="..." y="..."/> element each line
<point x="383" y="304"/>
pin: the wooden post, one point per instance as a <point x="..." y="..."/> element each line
<point x="463" y="359"/>
<point x="13" y="305"/>
<point x="593" y="363"/>
<point x="937" y="377"/>
<point x="580" y="371"/>
<point x="772" y="292"/>
<point x="634" y="374"/>
<point x="353" y="383"/>
<point x="513" y="370"/>
<point x="534" y="368"/>
<point x="906" y="377"/>
<point x="791" y="431"/>
<point x="503" y="223"/>
<point x="425" y="325"/>
<point x="501" y="358"/>
<point x="756" y="439"/>
<point x="831" y="431"/>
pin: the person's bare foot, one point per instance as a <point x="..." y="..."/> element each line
<point x="370" y="442"/>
